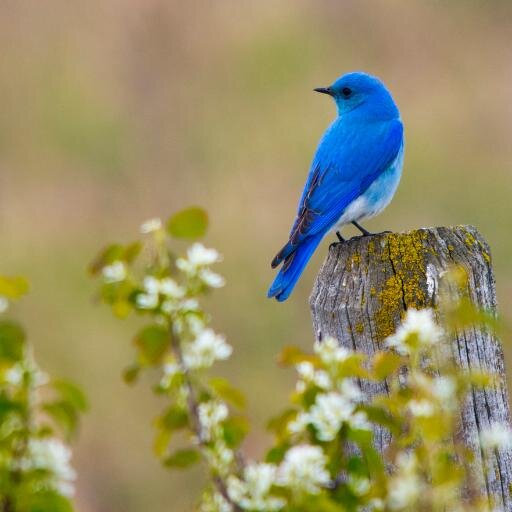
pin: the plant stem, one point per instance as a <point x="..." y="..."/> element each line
<point x="7" y="505"/>
<point x="192" y="405"/>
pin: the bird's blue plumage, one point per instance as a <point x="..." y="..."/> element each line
<point x="354" y="173"/>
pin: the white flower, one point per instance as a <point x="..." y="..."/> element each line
<point x="303" y="470"/>
<point x="189" y="305"/>
<point x="205" y="350"/>
<point x="147" y="301"/>
<point x="418" y="327"/>
<point x="331" y="352"/>
<point x="199" y="255"/>
<point x="168" y="306"/>
<point x="114" y="272"/>
<point x="195" y="323"/>
<point x="359" y="421"/>
<point x="497" y="435"/>
<point x="328" y="413"/>
<point x="300" y="386"/>
<point x="421" y="408"/>
<point x="170" y="288"/>
<point x="151" y="285"/>
<point x="39" y="377"/>
<point x="215" y="502"/>
<point x="403" y="492"/>
<point x="151" y="225"/>
<point x="211" y="279"/>
<point x="306" y="370"/>
<point x="53" y="456"/>
<point x="299" y="424"/>
<point x="220" y="457"/>
<point x="322" y="379"/>
<point x="170" y="370"/>
<point x="376" y="504"/>
<point x="4" y="304"/>
<point x="404" y="487"/>
<point x="14" y="375"/>
<point x="359" y="485"/>
<point x="351" y="390"/>
<point x="211" y="414"/>
<point x="252" y="493"/>
<point x="444" y="388"/>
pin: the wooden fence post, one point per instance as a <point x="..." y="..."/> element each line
<point x="366" y="284"/>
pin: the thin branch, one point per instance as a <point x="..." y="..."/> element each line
<point x="7" y="505"/>
<point x="192" y="405"/>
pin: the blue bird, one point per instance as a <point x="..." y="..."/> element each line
<point x="354" y="174"/>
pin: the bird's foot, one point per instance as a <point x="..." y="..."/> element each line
<point x="340" y="240"/>
<point x="363" y="235"/>
<point x="364" y="232"/>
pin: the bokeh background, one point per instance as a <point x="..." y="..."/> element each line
<point x="115" y="111"/>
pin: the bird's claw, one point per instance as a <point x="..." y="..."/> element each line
<point x="364" y="235"/>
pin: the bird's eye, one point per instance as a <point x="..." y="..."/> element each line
<point x="346" y="91"/>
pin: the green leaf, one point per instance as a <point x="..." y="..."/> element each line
<point x="71" y="393"/>
<point x="131" y="373"/>
<point x="8" y="406"/>
<point x="115" y="252"/>
<point x="109" y="254"/>
<point x="174" y="418"/>
<point x="323" y="503"/>
<point x="362" y="437"/>
<point x="381" y="416"/>
<point x="64" y="414"/>
<point x="152" y="341"/>
<point x="189" y="223"/>
<point x="44" y="501"/>
<point x="278" y="424"/>
<point x="385" y="363"/>
<point x="12" y="341"/>
<point x="276" y="454"/>
<point x="225" y="390"/>
<point x="122" y="308"/>
<point x="183" y="458"/>
<point x="292" y="355"/>
<point x="235" y="429"/>
<point x="131" y="251"/>
<point x="13" y="287"/>
<point x="161" y="442"/>
<point x="353" y="366"/>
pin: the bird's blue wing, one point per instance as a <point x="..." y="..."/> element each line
<point x="348" y="159"/>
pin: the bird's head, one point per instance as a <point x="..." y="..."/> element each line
<point x="362" y="94"/>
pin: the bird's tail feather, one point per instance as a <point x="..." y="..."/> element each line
<point x="292" y="268"/>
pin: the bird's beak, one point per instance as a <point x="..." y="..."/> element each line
<point x="324" y="90"/>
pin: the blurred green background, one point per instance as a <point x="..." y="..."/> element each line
<point x="116" y="111"/>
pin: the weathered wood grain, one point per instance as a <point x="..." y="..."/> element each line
<point x="366" y="284"/>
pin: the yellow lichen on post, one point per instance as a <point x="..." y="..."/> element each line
<point x="405" y="288"/>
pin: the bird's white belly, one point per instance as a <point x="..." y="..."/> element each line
<point x="376" y="197"/>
